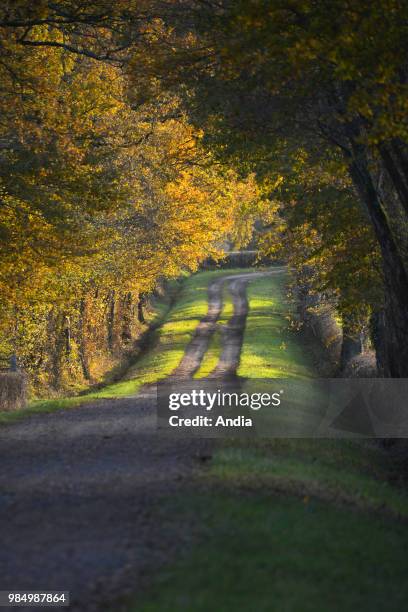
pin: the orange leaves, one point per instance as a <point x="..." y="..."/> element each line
<point x="98" y="192"/>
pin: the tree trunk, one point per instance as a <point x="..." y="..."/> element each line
<point x="56" y="327"/>
<point x="83" y="353"/>
<point x="395" y="165"/>
<point x="67" y="334"/>
<point x="127" y="318"/>
<point x="140" y="305"/>
<point x="111" y="320"/>
<point x="395" y="349"/>
<point x="379" y="338"/>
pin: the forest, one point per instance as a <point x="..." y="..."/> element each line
<point x="204" y="199"/>
<point x="103" y="197"/>
<point x="137" y="138"/>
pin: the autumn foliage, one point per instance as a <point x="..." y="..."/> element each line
<point x="101" y="198"/>
<point x="313" y="96"/>
<point x="136" y="137"/>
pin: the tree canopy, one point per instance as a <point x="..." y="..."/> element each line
<point x="135" y="137"/>
<point x="277" y="82"/>
<point x="101" y="198"/>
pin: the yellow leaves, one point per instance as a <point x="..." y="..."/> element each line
<point x="99" y="191"/>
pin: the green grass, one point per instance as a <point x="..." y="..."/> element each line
<point x="270" y="350"/>
<point x="307" y="468"/>
<point x="289" y="526"/>
<point x="275" y="554"/>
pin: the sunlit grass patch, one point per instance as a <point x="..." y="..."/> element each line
<point x="270" y="350"/>
<point x="172" y="337"/>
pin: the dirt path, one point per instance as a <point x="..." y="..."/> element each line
<point x="79" y="489"/>
<point x="233" y="332"/>
<point x="78" y="493"/>
<point x="195" y="351"/>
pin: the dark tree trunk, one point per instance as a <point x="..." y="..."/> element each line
<point x="67" y="334"/>
<point x="83" y="353"/>
<point x="140" y="305"/>
<point x="395" y="348"/>
<point x="379" y="338"/>
<point x="111" y="320"/>
<point x="127" y="317"/>
<point x="396" y="174"/>
<point x="56" y="327"/>
<point x="396" y="166"/>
